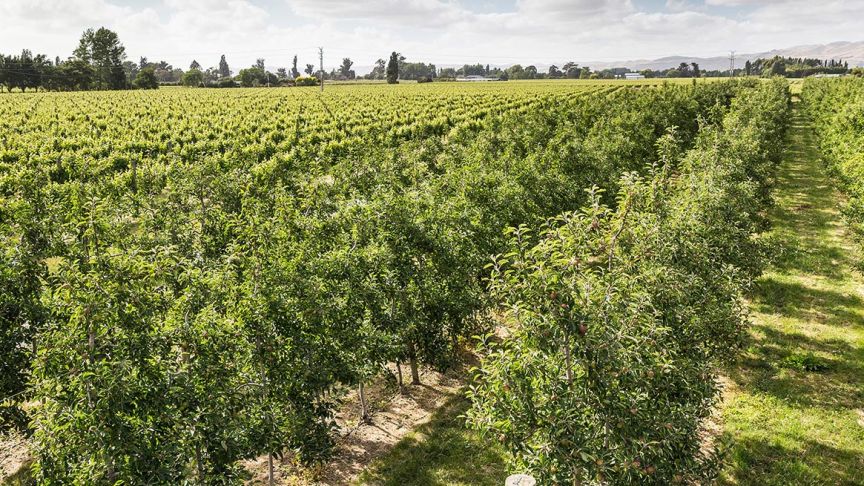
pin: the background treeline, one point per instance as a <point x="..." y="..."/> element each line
<point x="193" y="289"/>
<point x="570" y="70"/>
<point x="791" y="67"/>
<point x="99" y="62"/>
<point x="776" y="66"/>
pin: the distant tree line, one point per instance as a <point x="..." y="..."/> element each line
<point x="789" y="67"/>
<point x="569" y="70"/>
<point x="420" y="71"/>
<point x="99" y="62"/>
<point x="792" y="67"/>
<point x="777" y="66"/>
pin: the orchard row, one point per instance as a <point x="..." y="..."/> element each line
<point x="619" y="315"/>
<point x="837" y="109"/>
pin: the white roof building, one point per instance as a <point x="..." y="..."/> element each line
<point x="475" y="78"/>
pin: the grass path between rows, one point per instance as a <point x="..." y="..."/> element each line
<point x="794" y="405"/>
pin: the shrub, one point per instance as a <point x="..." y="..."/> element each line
<point x="804" y="362"/>
<point x="306" y="81"/>
<point x="146" y="79"/>
<point x="192" y="78"/>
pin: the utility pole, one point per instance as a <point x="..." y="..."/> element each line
<point x="321" y="58"/>
<point x="732" y="64"/>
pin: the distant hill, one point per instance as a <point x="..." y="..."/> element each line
<point x="853" y="52"/>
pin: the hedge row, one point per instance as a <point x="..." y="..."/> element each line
<point x="615" y="317"/>
<point x="837" y="109"/>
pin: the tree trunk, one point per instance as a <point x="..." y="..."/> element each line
<point x="364" y="417"/>
<point x="270" y="479"/>
<point x="399" y="375"/>
<point x="412" y="360"/>
<point x="198" y="464"/>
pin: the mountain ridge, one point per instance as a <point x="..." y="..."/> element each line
<point x="851" y="51"/>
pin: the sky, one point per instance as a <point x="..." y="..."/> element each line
<point x="445" y="32"/>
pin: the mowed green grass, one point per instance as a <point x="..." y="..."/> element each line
<point x="441" y="452"/>
<point x="795" y="408"/>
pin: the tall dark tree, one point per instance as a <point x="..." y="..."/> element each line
<point x="259" y="63"/>
<point x="345" y="69"/>
<point x="224" y="70"/>
<point x="695" y="69"/>
<point x="102" y="50"/>
<point x="778" y="68"/>
<point x="572" y="70"/>
<point x="310" y="68"/>
<point x="27" y="75"/>
<point x="393" y="69"/>
<point x="24" y="71"/>
<point x="195" y="65"/>
<point x="294" y="72"/>
<point x="5" y="70"/>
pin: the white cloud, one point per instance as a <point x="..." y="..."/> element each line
<point x="60" y="11"/>
<point x="574" y="9"/>
<point x="677" y="5"/>
<point x="414" y="13"/>
<point x="440" y="31"/>
<point x="740" y="3"/>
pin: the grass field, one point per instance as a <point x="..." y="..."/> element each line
<point x="795" y="410"/>
<point x="441" y="452"/>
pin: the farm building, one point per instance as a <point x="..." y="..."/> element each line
<point x="476" y="78"/>
<point x="633" y="76"/>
